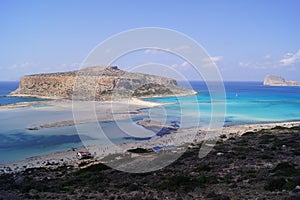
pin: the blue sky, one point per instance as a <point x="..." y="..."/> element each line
<point x="246" y="39"/>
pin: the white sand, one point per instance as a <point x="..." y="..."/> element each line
<point x="105" y="111"/>
<point x="84" y="111"/>
<point x="178" y="138"/>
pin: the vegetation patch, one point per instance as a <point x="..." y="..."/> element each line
<point x="280" y="184"/>
<point x="203" y="167"/>
<point x="182" y="183"/>
<point x="285" y="169"/>
<point x="297" y="128"/>
<point x="249" y="134"/>
<point x="279" y="128"/>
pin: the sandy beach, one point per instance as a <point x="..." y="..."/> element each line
<point x="95" y="111"/>
<point x="102" y="110"/>
<point x="179" y="138"/>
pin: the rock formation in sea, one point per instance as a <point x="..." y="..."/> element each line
<point x="271" y="80"/>
<point x="97" y="83"/>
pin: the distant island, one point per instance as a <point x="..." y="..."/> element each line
<point x="97" y="83"/>
<point x="271" y="80"/>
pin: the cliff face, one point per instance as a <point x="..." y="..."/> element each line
<point x="99" y="83"/>
<point x="279" y="81"/>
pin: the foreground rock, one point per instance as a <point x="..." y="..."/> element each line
<point x="97" y="83"/>
<point x="279" y="81"/>
<point x="257" y="165"/>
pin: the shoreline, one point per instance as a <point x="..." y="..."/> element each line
<point x="126" y="108"/>
<point x="104" y="110"/>
<point x="50" y="98"/>
<point x="22" y="104"/>
<point x="178" y="138"/>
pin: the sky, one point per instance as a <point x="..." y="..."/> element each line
<point x="246" y="39"/>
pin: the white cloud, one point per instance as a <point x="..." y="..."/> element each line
<point x="185" y="64"/>
<point x="151" y="51"/>
<point x="244" y="64"/>
<point x="207" y="62"/>
<point x="211" y="61"/>
<point x="290" y="58"/>
<point x="216" y="59"/>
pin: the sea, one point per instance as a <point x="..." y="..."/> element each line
<point x="244" y="102"/>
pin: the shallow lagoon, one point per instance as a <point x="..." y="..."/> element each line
<point x="246" y="102"/>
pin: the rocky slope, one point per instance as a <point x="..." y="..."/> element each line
<point x="271" y="80"/>
<point x="258" y="165"/>
<point x="97" y="83"/>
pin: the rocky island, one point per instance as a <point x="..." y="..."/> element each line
<point x="271" y="80"/>
<point x="97" y="83"/>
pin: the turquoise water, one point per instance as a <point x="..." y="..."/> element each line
<point x="16" y="142"/>
<point x="246" y="102"/>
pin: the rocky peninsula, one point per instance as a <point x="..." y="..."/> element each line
<point x="97" y="83"/>
<point x="271" y="80"/>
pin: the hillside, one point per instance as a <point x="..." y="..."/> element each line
<point x="257" y="165"/>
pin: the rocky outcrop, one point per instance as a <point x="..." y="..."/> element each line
<point x="97" y="83"/>
<point x="271" y="80"/>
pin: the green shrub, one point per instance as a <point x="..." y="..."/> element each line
<point x="202" y="167"/>
<point x="279" y="128"/>
<point x="285" y="169"/>
<point x="275" y="184"/>
<point x="182" y="182"/>
<point x="280" y="184"/>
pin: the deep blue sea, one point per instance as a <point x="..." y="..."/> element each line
<point x="246" y="102"/>
<point x="6" y="88"/>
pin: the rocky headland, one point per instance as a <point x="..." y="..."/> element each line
<point x="97" y="83"/>
<point x="271" y="80"/>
